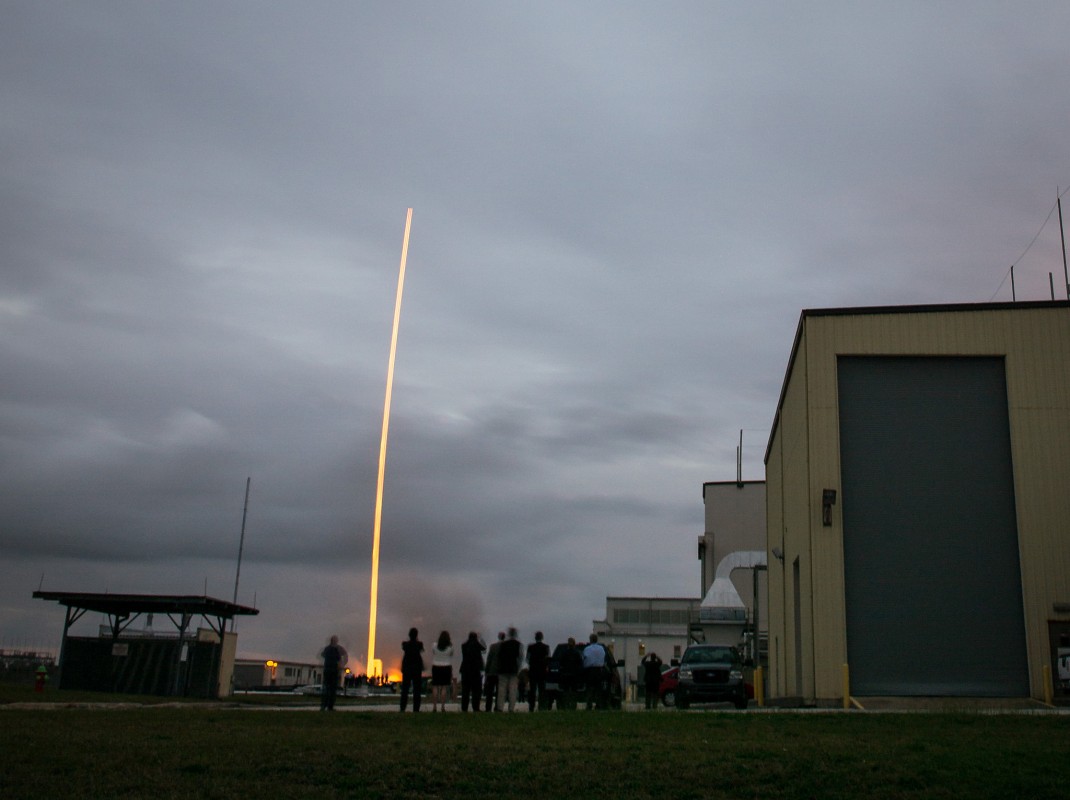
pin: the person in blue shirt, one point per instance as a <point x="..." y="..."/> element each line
<point x="594" y="667"/>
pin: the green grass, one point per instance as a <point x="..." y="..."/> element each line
<point x="247" y="752"/>
<point x="24" y="693"/>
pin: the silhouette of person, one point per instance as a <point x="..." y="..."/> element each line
<point x="594" y="667"/>
<point x="441" y="671"/>
<point x="334" y="660"/>
<point x="490" y="685"/>
<point x="652" y="678"/>
<point x="471" y="671"/>
<point x="538" y="661"/>
<point x="412" y="670"/>
<point x="510" y="655"/>
<point x="571" y="676"/>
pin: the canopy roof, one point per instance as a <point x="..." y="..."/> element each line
<point x="123" y="605"/>
<point x="122" y="610"/>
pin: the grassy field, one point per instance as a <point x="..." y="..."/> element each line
<point x="229" y="751"/>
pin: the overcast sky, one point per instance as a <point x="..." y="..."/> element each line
<point x="620" y="210"/>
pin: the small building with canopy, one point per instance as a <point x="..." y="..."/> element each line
<point x="178" y="661"/>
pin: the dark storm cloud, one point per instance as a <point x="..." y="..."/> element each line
<point x="619" y="212"/>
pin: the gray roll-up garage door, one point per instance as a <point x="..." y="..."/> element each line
<point x="931" y="570"/>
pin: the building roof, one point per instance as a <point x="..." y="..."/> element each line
<point x="871" y="310"/>
<point x="737" y="484"/>
<point x="127" y="604"/>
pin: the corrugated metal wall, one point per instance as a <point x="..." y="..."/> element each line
<point x="803" y="459"/>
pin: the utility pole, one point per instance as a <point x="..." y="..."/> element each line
<point x="241" y="546"/>
<point x="1062" y="237"/>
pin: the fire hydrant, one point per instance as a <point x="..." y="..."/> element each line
<point x="40" y="678"/>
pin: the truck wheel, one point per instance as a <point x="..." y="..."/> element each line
<point x="669" y="698"/>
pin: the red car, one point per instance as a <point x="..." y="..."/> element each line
<point x="667" y="689"/>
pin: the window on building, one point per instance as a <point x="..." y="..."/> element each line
<point x="626" y="616"/>
<point x="650" y="616"/>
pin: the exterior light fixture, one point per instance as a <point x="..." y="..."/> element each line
<point x="828" y="500"/>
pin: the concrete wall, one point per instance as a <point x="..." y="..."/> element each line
<point x="735" y="521"/>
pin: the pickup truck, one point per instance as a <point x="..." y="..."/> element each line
<point x="710" y="674"/>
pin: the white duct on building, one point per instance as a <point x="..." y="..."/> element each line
<point x="722" y="596"/>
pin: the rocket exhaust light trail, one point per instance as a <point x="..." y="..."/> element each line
<point x="373" y="667"/>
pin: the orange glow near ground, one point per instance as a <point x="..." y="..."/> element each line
<point x="373" y="663"/>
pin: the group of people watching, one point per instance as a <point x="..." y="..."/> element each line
<point x="494" y="674"/>
<point x="497" y="678"/>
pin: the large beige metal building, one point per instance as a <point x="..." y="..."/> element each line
<point x="918" y="503"/>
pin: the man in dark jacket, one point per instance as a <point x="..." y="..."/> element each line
<point x="490" y="685"/>
<point x="571" y="677"/>
<point x="538" y="661"/>
<point x="471" y="669"/>
<point x="412" y="670"/>
<point x="510" y="654"/>
<point x="334" y="660"/>
<point x="652" y="678"/>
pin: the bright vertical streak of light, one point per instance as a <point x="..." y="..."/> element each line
<point x="373" y="608"/>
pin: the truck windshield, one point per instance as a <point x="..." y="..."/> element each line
<point x="709" y="655"/>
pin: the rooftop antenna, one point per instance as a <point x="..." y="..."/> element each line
<point x="241" y="546"/>
<point x="371" y="669"/>
<point x="739" y="461"/>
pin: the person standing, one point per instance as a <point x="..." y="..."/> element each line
<point x="471" y="669"/>
<point x="594" y="667"/>
<point x="652" y="678"/>
<point x="571" y="679"/>
<point x="412" y="670"/>
<point x="522" y="684"/>
<point x="490" y="685"/>
<point x="510" y="655"/>
<point x="538" y="661"/>
<point x="334" y="659"/>
<point x="441" y="671"/>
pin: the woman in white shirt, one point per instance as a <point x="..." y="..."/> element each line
<point x="441" y="671"/>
